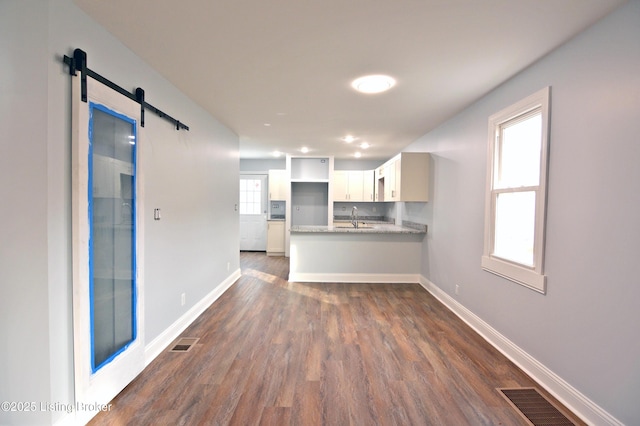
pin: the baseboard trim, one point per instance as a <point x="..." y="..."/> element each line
<point x="157" y="345"/>
<point x="573" y="399"/>
<point x="354" y="278"/>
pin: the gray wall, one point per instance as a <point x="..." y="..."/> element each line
<point x="253" y="165"/>
<point x="25" y="370"/>
<point x="192" y="176"/>
<point x="309" y="203"/>
<point x="585" y="328"/>
<point x="357" y="164"/>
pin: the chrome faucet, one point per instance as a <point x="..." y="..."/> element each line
<point x="354" y="217"/>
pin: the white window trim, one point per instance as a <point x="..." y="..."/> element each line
<point x="532" y="277"/>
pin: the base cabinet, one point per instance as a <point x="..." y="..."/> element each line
<point x="275" y="238"/>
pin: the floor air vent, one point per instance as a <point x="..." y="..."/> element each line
<point x="183" y="344"/>
<point x="534" y="407"/>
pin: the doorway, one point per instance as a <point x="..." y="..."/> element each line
<point x="253" y="212"/>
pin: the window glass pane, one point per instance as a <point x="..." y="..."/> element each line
<point x="515" y="226"/>
<point x="250" y="196"/>
<point x="518" y="153"/>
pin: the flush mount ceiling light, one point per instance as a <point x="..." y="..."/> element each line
<point x="373" y="83"/>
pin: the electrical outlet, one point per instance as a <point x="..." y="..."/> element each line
<point x="183" y="298"/>
<point x="457" y="289"/>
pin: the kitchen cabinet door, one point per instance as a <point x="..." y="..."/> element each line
<point x="368" y="193"/>
<point x="390" y="189"/>
<point x="348" y="185"/>
<point x="340" y="185"/>
<point x="355" y="185"/>
<point x="275" y="238"/>
<point x="277" y="185"/>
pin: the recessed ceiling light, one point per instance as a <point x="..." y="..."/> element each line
<point x="364" y="145"/>
<point x="304" y="149"/>
<point x="349" y="139"/>
<point x="276" y="153"/>
<point x="373" y="83"/>
<point x="357" y="155"/>
<point x="267" y="124"/>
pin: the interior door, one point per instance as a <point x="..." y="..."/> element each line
<point x="107" y="226"/>
<point x="253" y="212"/>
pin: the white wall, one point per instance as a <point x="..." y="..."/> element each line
<point x="192" y="176"/>
<point x="585" y="329"/>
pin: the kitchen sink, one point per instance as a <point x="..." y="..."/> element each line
<point x="348" y="225"/>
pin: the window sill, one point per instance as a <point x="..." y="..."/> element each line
<point x="518" y="274"/>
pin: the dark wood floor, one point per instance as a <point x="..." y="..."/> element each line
<point x="278" y="353"/>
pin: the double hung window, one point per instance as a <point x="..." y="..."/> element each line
<point x="516" y="191"/>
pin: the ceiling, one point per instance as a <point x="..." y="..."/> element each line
<point x="278" y="72"/>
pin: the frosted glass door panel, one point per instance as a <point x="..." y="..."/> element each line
<point x="112" y="247"/>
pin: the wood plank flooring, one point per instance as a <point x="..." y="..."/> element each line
<point x="278" y="353"/>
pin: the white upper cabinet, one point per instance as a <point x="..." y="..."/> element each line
<point x="349" y="185"/>
<point x="368" y="186"/>
<point x="404" y="178"/>
<point x="277" y="184"/>
<point x="340" y="185"/>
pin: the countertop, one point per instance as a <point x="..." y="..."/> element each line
<point x="364" y="228"/>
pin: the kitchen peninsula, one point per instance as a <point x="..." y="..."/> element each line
<point x="322" y="248"/>
<point x="368" y="254"/>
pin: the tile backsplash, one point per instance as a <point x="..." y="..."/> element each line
<point x="366" y="211"/>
